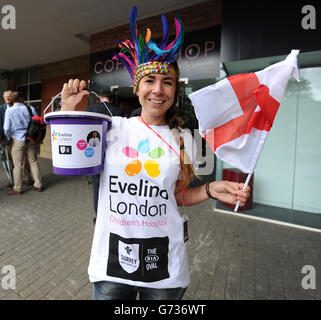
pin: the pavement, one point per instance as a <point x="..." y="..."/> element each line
<point x="46" y="236"/>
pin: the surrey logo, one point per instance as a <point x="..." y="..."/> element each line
<point x="128" y="256"/>
<point x="128" y="250"/>
<point x="135" y="166"/>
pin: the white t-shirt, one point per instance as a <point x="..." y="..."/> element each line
<point x="138" y="238"/>
<point x="93" y="142"/>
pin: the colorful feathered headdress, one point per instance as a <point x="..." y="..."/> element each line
<point x="144" y="56"/>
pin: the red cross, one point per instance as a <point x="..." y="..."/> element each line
<point x="250" y="94"/>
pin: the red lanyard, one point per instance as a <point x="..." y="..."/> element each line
<point x="160" y="137"/>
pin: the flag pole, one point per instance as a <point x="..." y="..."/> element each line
<point x="245" y="185"/>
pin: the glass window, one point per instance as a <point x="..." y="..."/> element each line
<point x="28" y="81"/>
<point x="307" y="173"/>
<point x="35" y="91"/>
<point x="22" y="76"/>
<point x="23" y="89"/>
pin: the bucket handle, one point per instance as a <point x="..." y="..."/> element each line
<point x="51" y="102"/>
<point x="83" y="89"/>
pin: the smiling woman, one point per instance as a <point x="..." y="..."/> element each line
<point x="156" y="94"/>
<point x="138" y="217"/>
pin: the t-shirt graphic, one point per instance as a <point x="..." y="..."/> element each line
<point x="138" y="259"/>
<point x="135" y="166"/>
<point x="128" y="256"/>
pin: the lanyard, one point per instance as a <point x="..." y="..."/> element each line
<point x="160" y="137"/>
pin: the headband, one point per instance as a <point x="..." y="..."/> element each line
<point x="144" y="56"/>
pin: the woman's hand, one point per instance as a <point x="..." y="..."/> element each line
<point x="72" y="94"/>
<point x="230" y="192"/>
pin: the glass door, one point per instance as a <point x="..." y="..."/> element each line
<point x="307" y="173"/>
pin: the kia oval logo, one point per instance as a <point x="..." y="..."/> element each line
<point x="151" y="258"/>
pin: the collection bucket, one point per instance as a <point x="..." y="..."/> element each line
<point x="78" y="141"/>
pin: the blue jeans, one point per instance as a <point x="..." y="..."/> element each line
<point x="106" y="290"/>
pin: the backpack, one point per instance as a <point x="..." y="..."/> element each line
<point x="36" y="130"/>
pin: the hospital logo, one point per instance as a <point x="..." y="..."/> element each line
<point x="135" y="166"/>
<point x="54" y="135"/>
<point x="64" y="137"/>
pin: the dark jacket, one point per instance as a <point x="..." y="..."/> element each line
<point x="136" y="113"/>
<point x="3" y="137"/>
<point x="100" y="108"/>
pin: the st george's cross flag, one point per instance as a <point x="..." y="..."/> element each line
<point x="236" y="114"/>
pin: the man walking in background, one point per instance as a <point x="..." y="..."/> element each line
<point x="8" y="102"/>
<point x="15" y="126"/>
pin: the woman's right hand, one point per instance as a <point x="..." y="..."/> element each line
<point x="72" y="94"/>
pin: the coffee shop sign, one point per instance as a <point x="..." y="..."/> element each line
<point x="191" y="52"/>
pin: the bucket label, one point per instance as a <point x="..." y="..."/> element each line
<point x="76" y="146"/>
<point x="82" y="144"/>
<point x="65" y="149"/>
<point x="89" y="152"/>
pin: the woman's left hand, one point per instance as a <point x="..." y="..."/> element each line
<point x="230" y="192"/>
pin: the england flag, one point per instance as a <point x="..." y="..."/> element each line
<point x="236" y="114"/>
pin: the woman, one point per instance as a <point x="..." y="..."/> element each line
<point x="138" y="243"/>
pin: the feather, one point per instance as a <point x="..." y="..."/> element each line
<point x="162" y="44"/>
<point x="126" y="62"/>
<point x="153" y="46"/>
<point x="172" y="55"/>
<point x="148" y="35"/>
<point x="170" y="52"/>
<point x="132" y="24"/>
<point x="130" y="49"/>
<point x="178" y="29"/>
<point x="129" y="44"/>
<point x="141" y="50"/>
